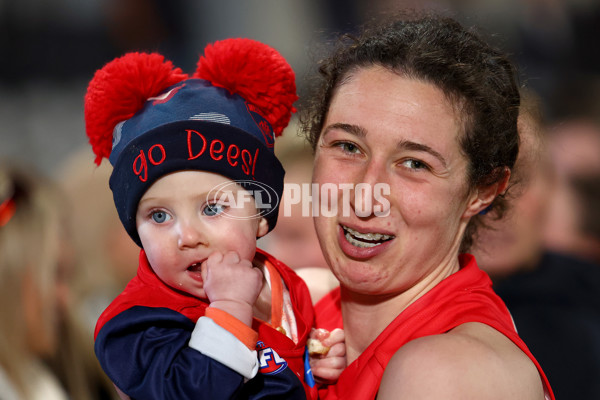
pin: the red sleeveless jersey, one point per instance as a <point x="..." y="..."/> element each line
<point x="465" y="296"/>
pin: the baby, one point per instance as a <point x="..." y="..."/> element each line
<point x="195" y="183"/>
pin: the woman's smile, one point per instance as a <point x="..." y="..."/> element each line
<point x="359" y="245"/>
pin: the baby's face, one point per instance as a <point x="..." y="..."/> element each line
<point x="180" y="225"/>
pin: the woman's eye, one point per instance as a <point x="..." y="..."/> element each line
<point x="348" y="147"/>
<point x="414" y="164"/>
<point x="159" y="216"/>
<point x="213" y="209"/>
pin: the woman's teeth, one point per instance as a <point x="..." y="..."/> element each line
<point x="358" y="239"/>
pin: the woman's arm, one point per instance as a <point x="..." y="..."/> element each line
<point x="471" y="361"/>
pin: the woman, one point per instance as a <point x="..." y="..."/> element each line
<point x="44" y="352"/>
<point x="427" y="109"/>
<point x="31" y="284"/>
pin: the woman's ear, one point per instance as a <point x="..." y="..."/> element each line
<point x="485" y="195"/>
<point x="263" y="227"/>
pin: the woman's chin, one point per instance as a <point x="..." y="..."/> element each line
<point x="360" y="276"/>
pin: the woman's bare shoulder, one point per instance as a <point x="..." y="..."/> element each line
<point x="471" y="361"/>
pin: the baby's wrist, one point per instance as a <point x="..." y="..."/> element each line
<point x="241" y="331"/>
<point x="236" y="308"/>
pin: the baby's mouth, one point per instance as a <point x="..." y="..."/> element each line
<point x="195" y="267"/>
<point x="365" y="240"/>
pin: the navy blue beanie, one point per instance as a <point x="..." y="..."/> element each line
<point x="224" y="120"/>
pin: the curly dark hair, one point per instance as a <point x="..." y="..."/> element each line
<point x="478" y="79"/>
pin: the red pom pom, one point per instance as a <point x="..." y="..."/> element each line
<point x="119" y="90"/>
<point x="255" y="71"/>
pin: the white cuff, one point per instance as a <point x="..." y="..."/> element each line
<point x="218" y="343"/>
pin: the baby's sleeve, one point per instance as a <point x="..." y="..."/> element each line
<point x="147" y="354"/>
<point x="225" y="339"/>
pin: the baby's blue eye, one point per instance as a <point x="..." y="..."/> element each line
<point x="160" y="216"/>
<point x="213" y="209"/>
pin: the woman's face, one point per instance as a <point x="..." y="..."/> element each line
<point x="401" y="134"/>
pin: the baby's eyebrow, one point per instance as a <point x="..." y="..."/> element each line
<point x="146" y="200"/>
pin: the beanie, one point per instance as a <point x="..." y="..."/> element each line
<point x="150" y="119"/>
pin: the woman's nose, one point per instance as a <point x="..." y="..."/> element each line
<point x="369" y="195"/>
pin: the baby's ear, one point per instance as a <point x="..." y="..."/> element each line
<point x="263" y="227"/>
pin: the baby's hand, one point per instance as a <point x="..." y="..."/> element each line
<point x="327" y="365"/>
<point x="232" y="284"/>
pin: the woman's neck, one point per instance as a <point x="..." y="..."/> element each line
<point x="366" y="316"/>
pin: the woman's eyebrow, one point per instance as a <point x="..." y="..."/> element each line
<point x="402" y="145"/>
<point x="409" y="145"/>
<point x="350" y="128"/>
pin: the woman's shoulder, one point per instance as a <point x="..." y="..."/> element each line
<point x="472" y="360"/>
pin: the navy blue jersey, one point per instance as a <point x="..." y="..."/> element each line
<point x="144" y="348"/>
